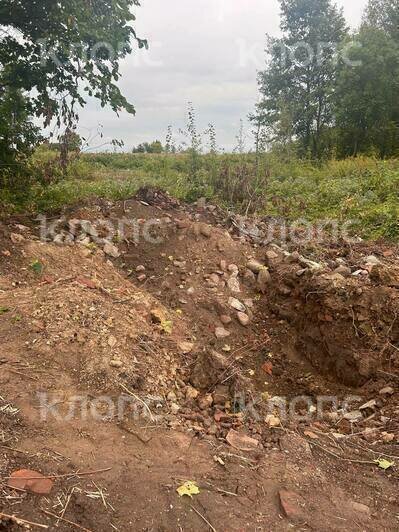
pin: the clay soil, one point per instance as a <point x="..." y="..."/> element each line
<point x="156" y="326"/>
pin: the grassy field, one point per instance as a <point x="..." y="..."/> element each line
<point x="365" y="190"/>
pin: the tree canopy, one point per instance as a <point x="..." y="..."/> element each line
<point x="326" y="91"/>
<point x="55" y="54"/>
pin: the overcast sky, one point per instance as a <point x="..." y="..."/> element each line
<point x="204" y="51"/>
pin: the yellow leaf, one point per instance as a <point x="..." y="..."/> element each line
<point x="384" y="464"/>
<point x="167" y="326"/>
<point x="189" y="488"/>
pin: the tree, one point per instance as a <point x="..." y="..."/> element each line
<point x="297" y="86"/>
<point x="383" y="14"/>
<point x="367" y="104"/>
<point x="54" y="52"/>
<point x="17" y="133"/>
<point x="146" y="147"/>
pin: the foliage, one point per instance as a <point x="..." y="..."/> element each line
<point x="297" y="86"/>
<point x="146" y="147"/>
<point x="383" y="14"/>
<point x="367" y="103"/>
<point x="362" y="189"/>
<point x="51" y="53"/>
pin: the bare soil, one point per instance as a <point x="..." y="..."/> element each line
<point x="76" y="323"/>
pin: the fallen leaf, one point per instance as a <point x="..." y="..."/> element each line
<point x="3" y="310"/>
<point x="268" y="368"/>
<point x="32" y="481"/>
<point x="384" y="464"/>
<point x="189" y="488"/>
<point x="166" y="326"/>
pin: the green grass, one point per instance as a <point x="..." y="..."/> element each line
<point x="365" y="190"/>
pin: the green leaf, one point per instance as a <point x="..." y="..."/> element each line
<point x="37" y="267"/>
<point x="189" y="488"/>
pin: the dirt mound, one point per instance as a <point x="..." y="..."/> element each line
<point x="83" y="317"/>
<point x="346" y="326"/>
<point x="212" y="334"/>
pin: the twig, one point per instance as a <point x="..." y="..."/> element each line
<point x="66" y="504"/>
<point x="222" y="491"/>
<point x="20" y="521"/>
<point x="22" y="374"/>
<point x="140" y="401"/>
<point x="388" y="374"/>
<point x="204" y="518"/>
<point x="12" y="449"/>
<point x="341" y="457"/>
<point x="65" y="520"/>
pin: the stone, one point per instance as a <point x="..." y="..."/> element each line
<point x="233" y="284"/>
<point x="111" y="250"/>
<point x="249" y="303"/>
<point x="141" y="278"/>
<point x="205" y="402"/>
<point x="361" y="508"/>
<point x="255" y="266"/>
<point x="221" y="332"/>
<point x="191" y="393"/>
<point x="201" y="203"/>
<point x="206" y="230"/>
<point x="370" y="405"/>
<point x="272" y="421"/>
<point x="208" y="368"/>
<point x="213" y="280"/>
<point x="16" y="238"/>
<point x="243" y="318"/>
<point x="221" y="394"/>
<point x="233" y="268"/>
<point x="372" y="260"/>
<point x="338" y="436"/>
<point x="271" y="255"/>
<point x="236" y="304"/>
<point x="387" y="437"/>
<point x="157" y="315"/>
<point x="264" y="280"/>
<point x="171" y="397"/>
<point x="186" y="347"/>
<point x="345" y="271"/>
<point x="174" y="408"/>
<point x="88" y="228"/>
<point x="116" y="363"/>
<point x="388" y="390"/>
<point x="292" y="505"/>
<point x="140" y="268"/>
<point x="312" y="265"/>
<point x="249" y="277"/>
<point x="225" y="319"/>
<point x="301" y="272"/>
<point x="240" y="441"/>
<point x="83" y="240"/>
<point x="354" y="417"/>
<point x="59" y="239"/>
<point x="190" y="291"/>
